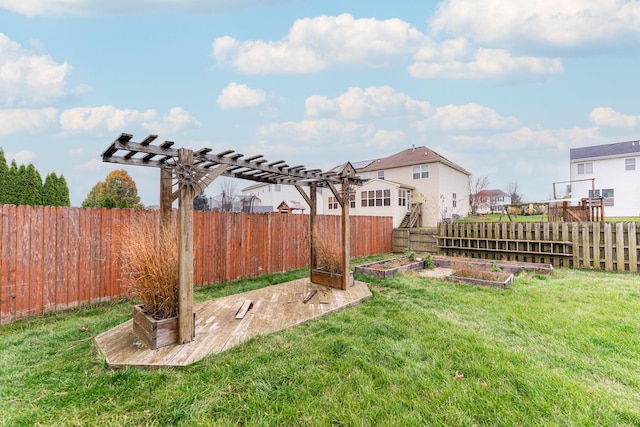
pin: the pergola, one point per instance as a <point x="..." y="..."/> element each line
<point x="192" y="171"/>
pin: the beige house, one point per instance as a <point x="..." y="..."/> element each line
<point x="416" y="179"/>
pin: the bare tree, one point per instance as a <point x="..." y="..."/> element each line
<point x="512" y="191"/>
<point x="477" y="184"/>
<point x="229" y="189"/>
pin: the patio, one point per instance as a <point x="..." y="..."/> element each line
<point x="217" y="329"/>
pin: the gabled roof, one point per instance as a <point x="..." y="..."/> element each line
<point x="390" y="183"/>
<point x="409" y="157"/>
<point x="292" y="204"/>
<point x="492" y="193"/>
<point x="605" y="150"/>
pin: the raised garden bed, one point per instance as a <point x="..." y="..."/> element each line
<point x="501" y="280"/>
<point x="389" y="267"/>
<point x="511" y="267"/>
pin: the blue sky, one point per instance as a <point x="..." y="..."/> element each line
<point x="504" y="88"/>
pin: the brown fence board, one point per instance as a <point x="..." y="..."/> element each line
<point x="23" y="215"/>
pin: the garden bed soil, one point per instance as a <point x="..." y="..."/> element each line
<point x="389" y="267"/>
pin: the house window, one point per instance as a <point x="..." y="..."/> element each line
<point x="630" y="164"/>
<point x="585" y="168"/>
<point x="454" y="202"/>
<point x="421" y="171"/>
<point x="375" y="198"/>
<point x="380" y="174"/>
<point x="333" y="202"/>
<point x="277" y="187"/>
<point x="402" y="197"/>
<point x="606" y="194"/>
<point x="365" y="175"/>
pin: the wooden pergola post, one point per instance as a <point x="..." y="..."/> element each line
<point x="346" y="243"/>
<point x="185" y="255"/>
<point x="166" y="201"/>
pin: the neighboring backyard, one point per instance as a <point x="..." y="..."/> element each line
<point x="548" y="350"/>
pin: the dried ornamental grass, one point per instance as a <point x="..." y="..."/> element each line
<point x="150" y="261"/>
<point x="329" y="254"/>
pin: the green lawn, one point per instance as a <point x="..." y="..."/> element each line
<point x="561" y="350"/>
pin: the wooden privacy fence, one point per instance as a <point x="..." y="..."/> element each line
<point x="597" y="245"/>
<point x="423" y="239"/>
<point x="54" y="258"/>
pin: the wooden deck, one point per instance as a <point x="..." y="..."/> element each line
<point x="217" y="328"/>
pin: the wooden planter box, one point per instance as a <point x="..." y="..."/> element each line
<point x="321" y="277"/>
<point x="155" y="333"/>
<point x="484" y="282"/>
<point x="373" y="269"/>
<point x="513" y="267"/>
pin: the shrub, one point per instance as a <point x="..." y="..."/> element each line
<point x="150" y="262"/>
<point x="428" y="262"/>
<point x="329" y="254"/>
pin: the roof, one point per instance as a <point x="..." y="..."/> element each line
<point x="391" y="183"/>
<point x="292" y="204"/>
<point x="409" y="157"/>
<point x="492" y="193"/>
<point x="605" y="150"/>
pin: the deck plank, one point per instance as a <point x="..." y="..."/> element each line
<point x="274" y="308"/>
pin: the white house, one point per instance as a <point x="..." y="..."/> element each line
<point x="615" y="169"/>
<point x="274" y="194"/>
<point x="490" y="201"/>
<point x="417" y="175"/>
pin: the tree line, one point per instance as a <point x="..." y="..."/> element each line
<point x="23" y="185"/>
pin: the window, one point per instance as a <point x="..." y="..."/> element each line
<point x="630" y="164"/>
<point x="380" y="174"/>
<point x="402" y="197"/>
<point x="585" y="168"/>
<point x="421" y="171"/>
<point x="278" y="187"/>
<point x="606" y="194"/>
<point x="333" y="202"/>
<point x="375" y="198"/>
<point x="454" y="201"/>
<point x="365" y="175"/>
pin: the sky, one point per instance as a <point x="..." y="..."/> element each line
<point x="503" y="88"/>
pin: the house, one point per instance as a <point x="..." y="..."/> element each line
<point x="416" y="178"/>
<point x="491" y="201"/>
<point x="273" y="194"/>
<point x="608" y="171"/>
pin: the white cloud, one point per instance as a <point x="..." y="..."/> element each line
<point x="23" y="157"/>
<point x="104" y="117"/>
<point x="572" y="23"/>
<point x="176" y="120"/>
<point x="26" y="120"/>
<point x="468" y="116"/>
<point x="384" y="138"/>
<point x="608" y="117"/>
<point x="26" y="78"/>
<point x="108" y="117"/>
<point x="480" y="64"/>
<point x="314" y="44"/>
<point x="357" y="103"/>
<point x="559" y="140"/>
<point x="88" y="7"/>
<point x="314" y="130"/>
<point x="240" y="96"/>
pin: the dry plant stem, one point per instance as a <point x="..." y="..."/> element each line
<point x="329" y="254"/>
<point x="468" y="270"/>
<point x="150" y="259"/>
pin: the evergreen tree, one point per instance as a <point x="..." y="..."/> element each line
<point x="49" y="190"/>
<point x="4" y="176"/>
<point x="62" y="192"/>
<point x="13" y="185"/>
<point x="31" y="186"/>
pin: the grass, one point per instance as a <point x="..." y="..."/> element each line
<point x="534" y="218"/>
<point x="560" y="350"/>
